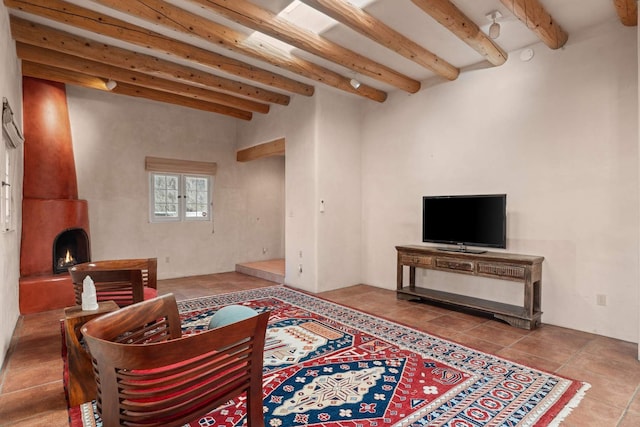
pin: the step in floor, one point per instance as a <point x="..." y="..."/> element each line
<point x="272" y="269"/>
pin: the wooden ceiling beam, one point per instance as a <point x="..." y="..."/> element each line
<point x="44" y="56"/>
<point x="267" y="149"/>
<point x="79" y="17"/>
<point x="267" y="22"/>
<point x="175" y="18"/>
<point x="49" y="38"/>
<point x="452" y="18"/>
<point x="627" y="11"/>
<point x="47" y="72"/>
<point x="371" y="27"/>
<point x="156" y="95"/>
<point x="538" y="20"/>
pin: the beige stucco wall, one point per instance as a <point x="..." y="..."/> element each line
<point x="559" y="135"/>
<point x="339" y="186"/>
<point x="323" y="155"/>
<point x="10" y="88"/>
<point x="112" y="134"/>
<point x="297" y="124"/>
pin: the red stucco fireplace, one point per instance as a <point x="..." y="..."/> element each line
<point x="50" y="206"/>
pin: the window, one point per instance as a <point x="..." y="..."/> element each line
<point x="180" y="190"/>
<point x="180" y="197"/>
<point x="7" y="214"/>
<point x="12" y="139"/>
<point x="196" y="196"/>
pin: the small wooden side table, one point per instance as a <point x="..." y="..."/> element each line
<point x="82" y="387"/>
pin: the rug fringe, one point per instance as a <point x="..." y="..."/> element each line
<point x="570" y="406"/>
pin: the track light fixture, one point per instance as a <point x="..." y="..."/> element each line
<point x="355" y="83"/>
<point x="494" y="29"/>
<point x="111" y="84"/>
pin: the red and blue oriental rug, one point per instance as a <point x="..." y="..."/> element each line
<point x="326" y="365"/>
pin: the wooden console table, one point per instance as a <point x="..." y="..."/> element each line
<point x="82" y="385"/>
<point x="518" y="268"/>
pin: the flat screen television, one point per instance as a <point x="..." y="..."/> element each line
<point x="473" y="220"/>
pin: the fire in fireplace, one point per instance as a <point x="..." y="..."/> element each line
<point x="70" y="247"/>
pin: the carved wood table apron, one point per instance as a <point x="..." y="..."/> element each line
<point x="526" y="269"/>
<point x="82" y="386"/>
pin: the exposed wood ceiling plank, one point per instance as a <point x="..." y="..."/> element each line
<point x="449" y="16"/>
<point x="170" y="16"/>
<point x="46" y="72"/>
<point x="71" y="77"/>
<point x="371" y="27"/>
<point x="61" y="41"/>
<point x="627" y="11"/>
<point x="156" y="95"/>
<point x="267" y="149"/>
<point x="265" y="21"/>
<point x="89" y="20"/>
<point x="538" y="20"/>
<point x="176" y="63"/>
<point x="73" y="63"/>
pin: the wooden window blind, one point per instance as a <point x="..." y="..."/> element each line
<point x="159" y="164"/>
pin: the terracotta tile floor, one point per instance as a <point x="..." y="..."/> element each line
<point x="31" y="392"/>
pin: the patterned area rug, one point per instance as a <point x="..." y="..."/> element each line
<point x="327" y="365"/>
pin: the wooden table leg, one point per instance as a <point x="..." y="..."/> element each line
<point x="81" y="386"/>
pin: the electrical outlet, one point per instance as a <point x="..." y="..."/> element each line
<point x="299" y="268"/>
<point x="167" y="259"/>
<point x="601" y="300"/>
<point x="264" y="251"/>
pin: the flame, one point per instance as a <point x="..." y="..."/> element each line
<point x="68" y="258"/>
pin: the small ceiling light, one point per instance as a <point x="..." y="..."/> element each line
<point x="355" y="83"/>
<point x="111" y="84"/>
<point x="494" y="29"/>
<point x="526" y="55"/>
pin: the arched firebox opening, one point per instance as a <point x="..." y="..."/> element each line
<point x="70" y="247"/>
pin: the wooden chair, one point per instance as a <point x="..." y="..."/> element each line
<point x="148" y="266"/>
<point x="119" y="287"/>
<point x="149" y="375"/>
<point x="122" y="286"/>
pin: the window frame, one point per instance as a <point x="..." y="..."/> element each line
<point x="182" y="215"/>
<point x="7" y="197"/>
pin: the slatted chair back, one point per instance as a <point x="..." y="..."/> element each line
<point x="149" y="375"/>
<point x="122" y="286"/>
<point x="148" y="267"/>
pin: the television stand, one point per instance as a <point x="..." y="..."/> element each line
<point x="526" y="269"/>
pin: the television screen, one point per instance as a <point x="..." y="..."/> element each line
<point x="476" y="220"/>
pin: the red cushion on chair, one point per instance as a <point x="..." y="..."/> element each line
<point x="231" y="364"/>
<point x="149" y="293"/>
<point x="177" y="384"/>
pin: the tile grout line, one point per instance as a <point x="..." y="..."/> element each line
<point x="626" y="408"/>
<point x="574" y="355"/>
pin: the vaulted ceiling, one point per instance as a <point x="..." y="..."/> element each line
<point x="238" y="57"/>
